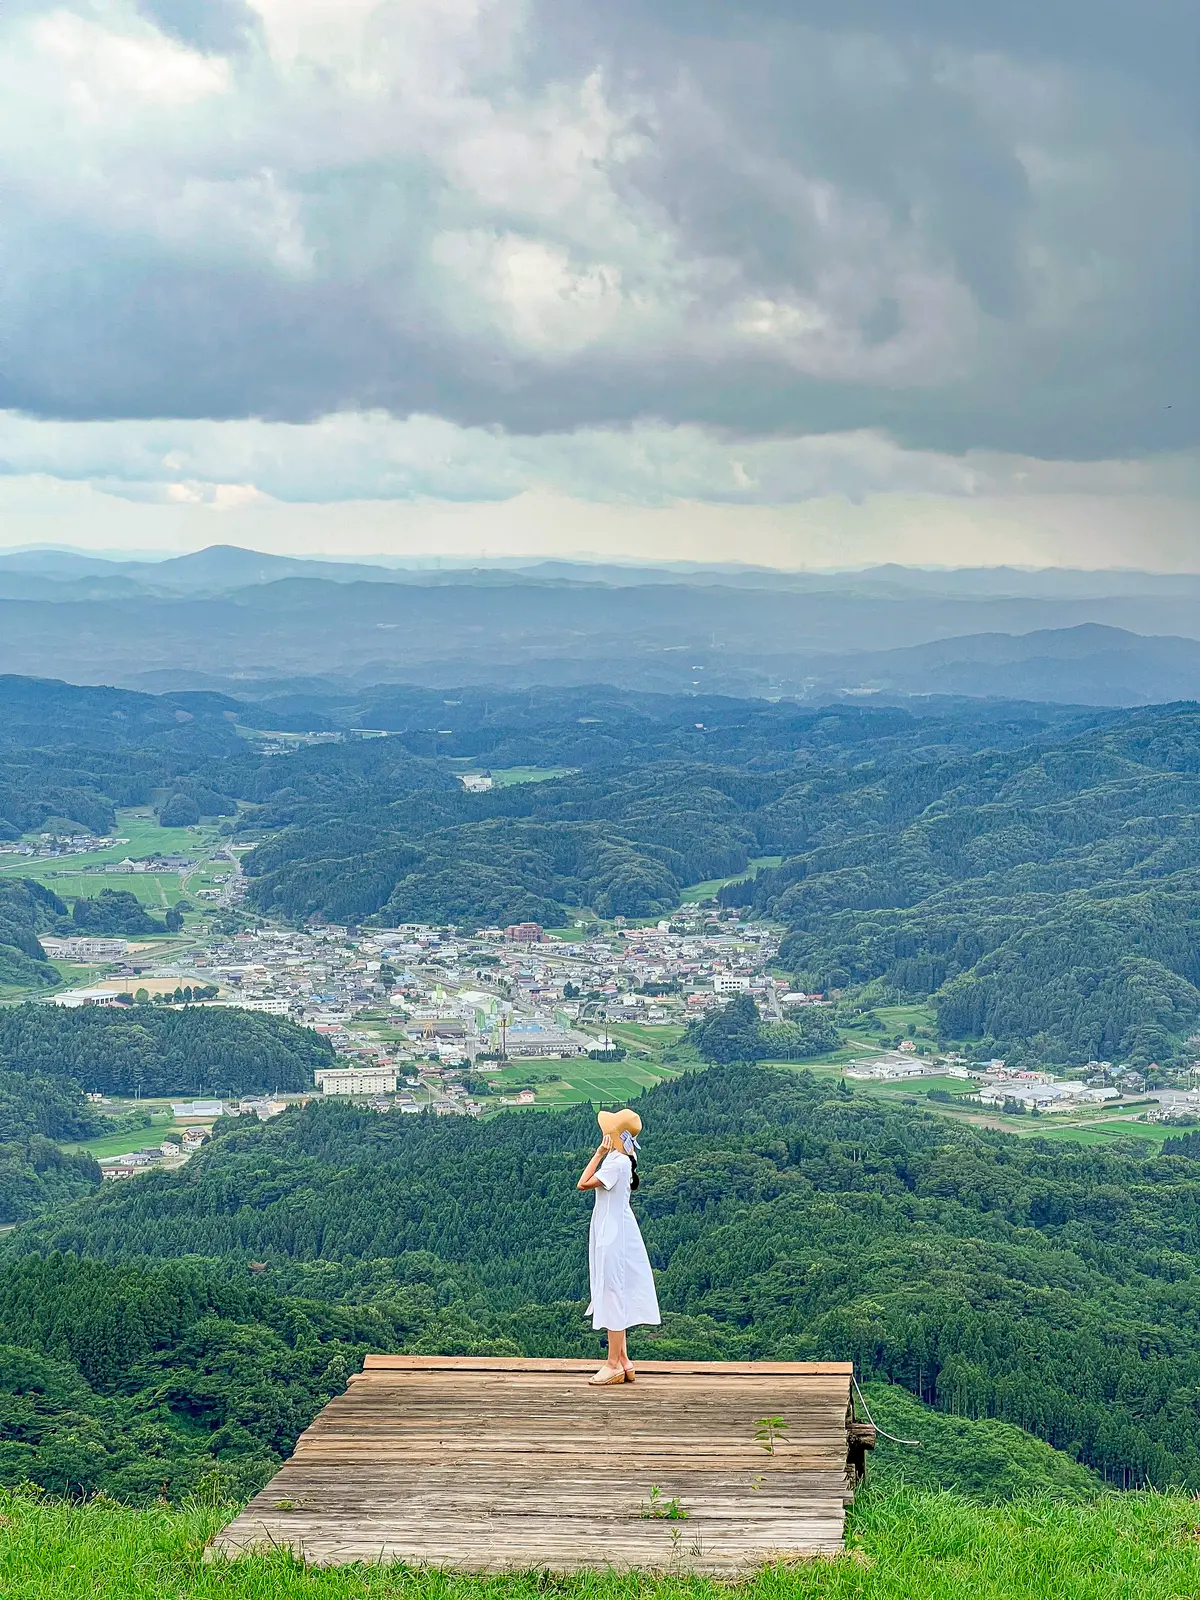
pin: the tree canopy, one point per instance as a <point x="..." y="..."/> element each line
<point x="148" y="1050"/>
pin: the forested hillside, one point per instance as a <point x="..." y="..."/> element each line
<point x="50" y="1055"/>
<point x="27" y="910"/>
<point x="37" y="1113"/>
<point x="152" y="1050"/>
<point x="150" y="1381"/>
<point x="1048" y="898"/>
<point x="661" y="800"/>
<point x="1046" y="1286"/>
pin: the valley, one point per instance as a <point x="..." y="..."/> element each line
<point x="898" y="997"/>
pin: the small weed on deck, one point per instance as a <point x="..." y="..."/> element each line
<point x="903" y="1546"/>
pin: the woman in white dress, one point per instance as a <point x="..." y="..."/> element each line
<point x="621" y="1278"/>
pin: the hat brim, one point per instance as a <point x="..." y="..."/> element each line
<point x="614" y="1122"/>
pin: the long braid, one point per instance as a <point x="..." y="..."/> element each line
<point x="630" y="1150"/>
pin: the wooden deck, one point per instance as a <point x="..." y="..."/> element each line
<point x="490" y="1463"/>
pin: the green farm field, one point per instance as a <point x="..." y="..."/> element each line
<point x="581" y="1080"/>
<point x="908" y="1020"/>
<point x="120" y="1144"/>
<point x="155" y="890"/>
<point x="644" y="1036"/>
<point x="145" y="838"/>
<point x="605" y="1084"/>
<point x="73" y="876"/>
<point x="705" y="891"/>
<point x="505" y="777"/>
<point x="1099" y="1133"/>
<point x="955" y="1086"/>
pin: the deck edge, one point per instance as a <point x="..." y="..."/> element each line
<point x="797" y="1369"/>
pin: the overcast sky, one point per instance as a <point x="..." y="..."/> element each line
<point x="792" y="280"/>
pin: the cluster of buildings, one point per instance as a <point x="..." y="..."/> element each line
<point x="161" y="863"/>
<point x="172" y="1151"/>
<point x="413" y="1011"/>
<point x="50" y="845"/>
<point x="1040" y="1091"/>
<point x="995" y="1085"/>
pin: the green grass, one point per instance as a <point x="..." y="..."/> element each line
<point x="844" y="1055"/>
<point x="706" y="890"/>
<point x="1099" y="1133"/>
<point x="650" y="1036"/>
<point x="155" y="890"/>
<point x="613" y="1084"/>
<point x="145" y="838"/>
<point x="503" y="777"/>
<point x="120" y="1144"/>
<point x="76" y="975"/>
<point x="904" y="1020"/>
<point x="904" y="1545"/>
<point x="919" y="1087"/>
<point x="580" y="1081"/>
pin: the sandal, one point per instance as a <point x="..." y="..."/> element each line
<point x="603" y="1383"/>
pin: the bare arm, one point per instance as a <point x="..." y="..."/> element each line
<point x="588" y="1178"/>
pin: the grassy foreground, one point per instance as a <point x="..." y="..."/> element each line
<point x="904" y="1544"/>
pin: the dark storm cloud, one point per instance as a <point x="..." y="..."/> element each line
<point x="971" y="225"/>
<point x="1158" y="40"/>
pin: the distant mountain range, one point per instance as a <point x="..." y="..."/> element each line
<point x="222" y="568"/>
<point x="231" y="619"/>
<point x="1086" y="665"/>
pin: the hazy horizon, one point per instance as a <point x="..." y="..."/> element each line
<point x="432" y="559"/>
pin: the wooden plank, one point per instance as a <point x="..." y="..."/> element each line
<point x="539" y="1364"/>
<point x="498" y="1545"/>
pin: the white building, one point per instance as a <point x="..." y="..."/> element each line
<point x="198" y="1111"/>
<point x="886" y="1070"/>
<point x="273" y="1007"/>
<point x="537" y="1041"/>
<point x="85" y="949"/>
<point x="356" y="1080"/>
<point x="84" y="997"/>
<point x="731" y="983"/>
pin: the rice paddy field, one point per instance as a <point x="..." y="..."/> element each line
<point x="73" y="876"/>
<point x="580" y="1080"/>
<point x="902" y="1545"/>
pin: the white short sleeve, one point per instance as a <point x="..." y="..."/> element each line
<point x="608" y="1172"/>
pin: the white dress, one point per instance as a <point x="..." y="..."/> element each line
<point x="621" y="1279"/>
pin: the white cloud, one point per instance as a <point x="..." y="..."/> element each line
<point x="105" y="74"/>
<point x="359" y="457"/>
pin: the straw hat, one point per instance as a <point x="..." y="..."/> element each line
<point x="615" y="1123"/>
